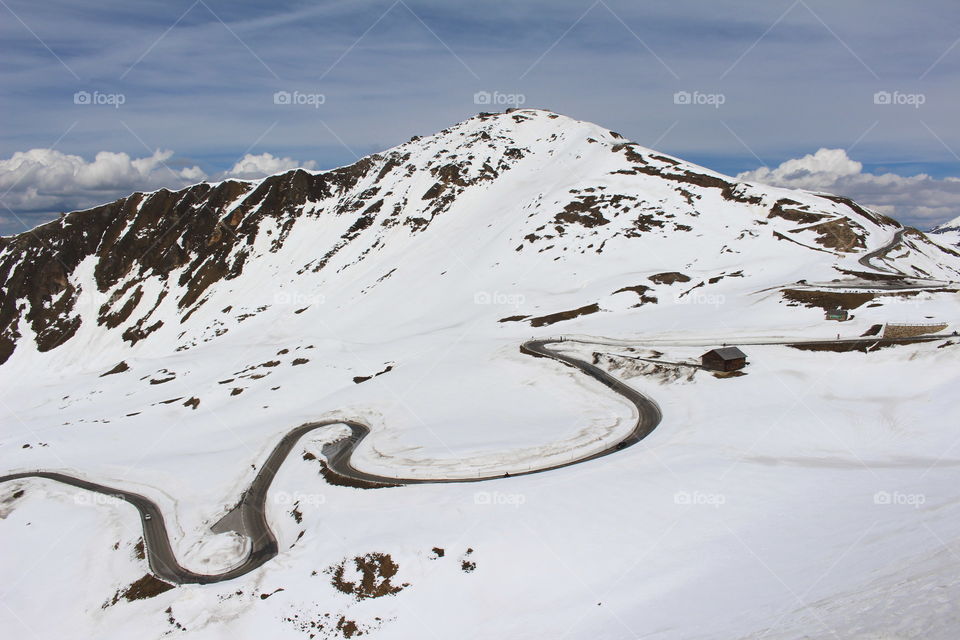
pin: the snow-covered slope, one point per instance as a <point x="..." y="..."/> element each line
<point x="951" y="225"/>
<point x="165" y="342"/>
<point x="948" y="233"/>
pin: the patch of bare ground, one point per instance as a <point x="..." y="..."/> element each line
<point x="841" y="234"/>
<point x="163" y="377"/>
<point x="249" y="372"/>
<point x="728" y="374"/>
<point x="7" y="502"/>
<point x="863" y="346"/>
<point x="466" y="564"/>
<point x="359" y="379"/>
<point x="513" y="319"/>
<point x="586" y="211"/>
<point x="119" y="368"/>
<point x="872" y="331"/>
<point x="331" y="626"/>
<point x="172" y="620"/>
<point x="669" y="277"/>
<point x="866" y="275"/>
<point x="780" y="210"/>
<point x="780" y="236"/>
<point x="641" y="291"/>
<point x="716" y="279"/>
<point x="367" y="576"/>
<point x="144" y="588"/>
<point x="560" y="316"/>
<point x="827" y="300"/>
<point x="348" y="628"/>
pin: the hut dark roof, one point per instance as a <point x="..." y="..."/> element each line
<point x="728" y="353"/>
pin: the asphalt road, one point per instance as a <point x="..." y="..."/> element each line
<point x="865" y="260"/>
<point x="249" y="516"/>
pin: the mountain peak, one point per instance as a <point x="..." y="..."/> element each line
<point x="526" y="200"/>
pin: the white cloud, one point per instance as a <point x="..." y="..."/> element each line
<point x="37" y="184"/>
<point x="265" y="164"/>
<point x="918" y="200"/>
<point x="46" y="179"/>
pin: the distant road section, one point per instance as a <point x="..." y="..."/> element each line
<point x="249" y="516"/>
<point x="867" y="260"/>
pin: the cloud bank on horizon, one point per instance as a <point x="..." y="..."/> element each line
<point x="919" y="199"/>
<point x="46" y="181"/>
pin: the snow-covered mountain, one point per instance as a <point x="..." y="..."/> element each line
<point x="948" y="233"/>
<point x="949" y="226"/>
<point x="501" y="203"/>
<point x="165" y="342"/>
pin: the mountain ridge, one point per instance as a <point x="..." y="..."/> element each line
<point x="205" y="233"/>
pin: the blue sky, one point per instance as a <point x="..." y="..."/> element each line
<point x="197" y="80"/>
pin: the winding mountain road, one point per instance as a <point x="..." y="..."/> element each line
<point x="865" y="260"/>
<point x="249" y="516"/>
